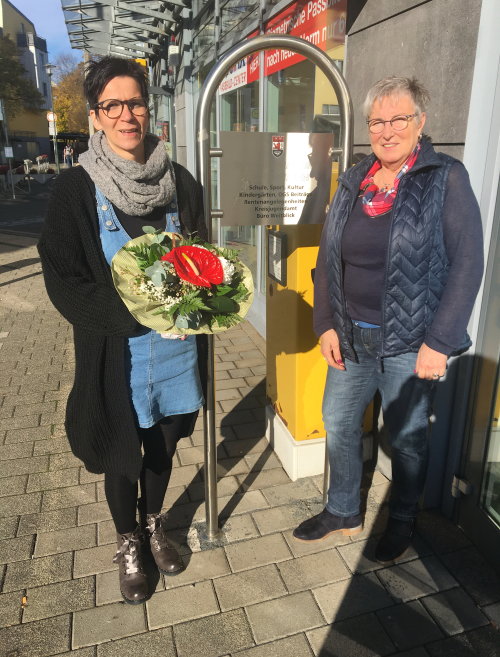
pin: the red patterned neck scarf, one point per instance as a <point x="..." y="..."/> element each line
<point x="379" y="201"/>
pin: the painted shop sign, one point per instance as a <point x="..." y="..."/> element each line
<point x="321" y="22"/>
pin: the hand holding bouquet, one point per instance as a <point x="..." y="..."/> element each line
<point x="183" y="286"/>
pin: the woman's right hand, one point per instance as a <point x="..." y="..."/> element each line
<point x="330" y="349"/>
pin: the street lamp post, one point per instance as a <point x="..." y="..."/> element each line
<point x="51" y="116"/>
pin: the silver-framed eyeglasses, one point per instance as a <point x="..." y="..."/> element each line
<point x="113" y="108"/>
<point x="400" y="122"/>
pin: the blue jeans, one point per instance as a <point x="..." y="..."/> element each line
<point x="406" y="403"/>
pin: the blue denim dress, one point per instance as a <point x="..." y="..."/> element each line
<point x="163" y="374"/>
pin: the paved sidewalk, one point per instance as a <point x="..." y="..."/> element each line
<point x="257" y="592"/>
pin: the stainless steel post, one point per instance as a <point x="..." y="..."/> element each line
<point x="318" y="57"/>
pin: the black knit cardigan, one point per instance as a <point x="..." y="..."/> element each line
<point x="100" y="422"/>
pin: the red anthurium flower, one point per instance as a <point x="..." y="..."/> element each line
<point x="195" y="265"/>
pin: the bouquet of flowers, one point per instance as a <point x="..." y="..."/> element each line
<point x="183" y="286"/>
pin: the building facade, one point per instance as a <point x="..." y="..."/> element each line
<point x="28" y="130"/>
<point x="453" y="47"/>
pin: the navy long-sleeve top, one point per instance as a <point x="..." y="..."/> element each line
<point x="463" y="239"/>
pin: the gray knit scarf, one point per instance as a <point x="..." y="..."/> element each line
<point x="133" y="187"/>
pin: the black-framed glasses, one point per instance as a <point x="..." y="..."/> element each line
<point x="375" y="126"/>
<point x="113" y="108"/>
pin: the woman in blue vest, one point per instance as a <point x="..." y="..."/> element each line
<point x="399" y="267"/>
<point x="135" y="393"/>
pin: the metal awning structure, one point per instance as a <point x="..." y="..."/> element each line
<point x="127" y="28"/>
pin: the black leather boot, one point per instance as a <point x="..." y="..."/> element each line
<point x="133" y="580"/>
<point x="165" y="556"/>
<point x="395" y="540"/>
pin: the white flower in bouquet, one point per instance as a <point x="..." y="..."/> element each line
<point x="228" y="268"/>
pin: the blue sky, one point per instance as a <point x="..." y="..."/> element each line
<point x="48" y="18"/>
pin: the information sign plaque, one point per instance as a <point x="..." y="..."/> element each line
<point x="284" y="178"/>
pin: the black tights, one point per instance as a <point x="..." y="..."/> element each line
<point x="159" y="443"/>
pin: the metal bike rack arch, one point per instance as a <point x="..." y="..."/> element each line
<point x="204" y="153"/>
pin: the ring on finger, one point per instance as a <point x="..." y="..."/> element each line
<point x="436" y="375"/>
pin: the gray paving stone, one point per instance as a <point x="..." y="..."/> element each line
<point x="49" y="480"/>
<point x="266" y="461"/>
<point x="200" y="566"/>
<point x="250" y="430"/>
<point x="313" y="570"/>
<point x="440" y="532"/>
<point x="344" y="639"/>
<point x="257" y="552"/>
<point x="213" y="636"/>
<point x="278" y="618"/>
<point x="26" y="466"/>
<point x="416" y="652"/>
<point x="301" y="489"/>
<point x="16" y="549"/>
<point x="183" y="604"/>
<point x="244" y="446"/>
<point x="416" y="578"/>
<point x="239" y="528"/>
<point x="47" y="522"/>
<point x="13" y="451"/>
<point x="477" y="643"/>
<point x="27" y="435"/>
<point x="37" y="572"/>
<point x="360" y="594"/>
<point x="94" y="560"/>
<point x="8" y="527"/>
<point x="474" y="574"/>
<point x="38" y="639"/>
<point x="61" y="461"/>
<point x="20" y="504"/>
<point x="409" y="625"/>
<point x="73" y="538"/>
<point x="257" y="480"/>
<point x="360" y="555"/>
<point x="249" y="587"/>
<point x="227" y="485"/>
<point x="91" y="513"/>
<point x="13" y="485"/>
<point x="107" y="623"/>
<point x="293" y="646"/>
<point x="280" y="518"/>
<point x="241" y="503"/>
<point x="159" y="643"/>
<point x="84" y="652"/>
<point x="51" y="446"/>
<point x="10" y="608"/>
<point x="70" y="496"/>
<point x="184" y="475"/>
<point x="190" y="455"/>
<point x="60" y="598"/>
<point x="493" y="613"/>
<point x="25" y="422"/>
<point x="454" y="611"/>
<point x="87" y="477"/>
<point x="33" y="409"/>
<point x="106" y="532"/>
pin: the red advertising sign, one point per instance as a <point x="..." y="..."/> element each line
<point x="321" y="22"/>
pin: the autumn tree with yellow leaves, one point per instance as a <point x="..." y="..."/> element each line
<point x="69" y="101"/>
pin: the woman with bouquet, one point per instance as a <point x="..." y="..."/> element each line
<point x="135" y="393"/>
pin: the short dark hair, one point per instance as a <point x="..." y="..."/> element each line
<point x="101" y="71"/>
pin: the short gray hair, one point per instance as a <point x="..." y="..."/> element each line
<point x="395" y="86"/>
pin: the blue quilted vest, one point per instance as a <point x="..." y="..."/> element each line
<point x="417" y="264"/>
